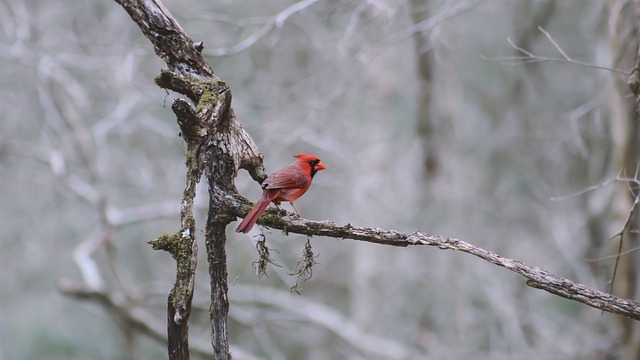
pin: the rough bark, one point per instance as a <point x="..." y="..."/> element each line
<point x="216" y="146"/>
<point x="536" y="277"/>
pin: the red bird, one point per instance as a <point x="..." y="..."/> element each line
<point x="286" y="184"/>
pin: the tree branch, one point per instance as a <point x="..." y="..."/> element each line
<point x="140" y="321"/>
<point x="216" y="146"/>
<point x="169" y="41"/>
<point x="275" y="23"/>
<point x="536" y="277"/>
<point x="530" y="57"/>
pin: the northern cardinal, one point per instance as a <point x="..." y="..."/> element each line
<point x="286" y="184"/>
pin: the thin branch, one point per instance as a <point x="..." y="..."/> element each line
<point x="519" y="60"/>
<point x="88" y="267"/>
<point x="276" y="22"/>
<point x="141" y="321"/>
<point x="627" y="252"/>
<point x="531" y="57"/>
<point x="625" y="227"/>
<point x="350" y="76"/>
<point x="142" y="213"/>
<point x="449" y="12"/>
<point x="518" y="48"/>
<point x="555" y="44"/>
<point x="620" y="234"/>
<point x="536" y="277"/>
<point x="584" y="191"/>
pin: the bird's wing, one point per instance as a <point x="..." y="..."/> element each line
<point x="289" y="177"/>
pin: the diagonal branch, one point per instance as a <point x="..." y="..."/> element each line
<point x="183" y="246"/>
<point x="449" y="11"/>
<point x="169" y="41"/>
<point x="128" y="316"/>
<point x="626" y="226"/>
<point x="536" y="277"/>
<point x="275" y="23"/>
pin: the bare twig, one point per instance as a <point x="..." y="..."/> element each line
<point x="82" y="255"/>
<point x="134" y="318"/>
<point x="627" y="252"/>
<point x="530" y="57"/>
<point x="350" y="76"/>
<point x="625" y="226"/>
<point x="555" y="44"/>
<point x="276" y="22"/>
<point x="584" y="191"/>
<point x="448" y="12"/>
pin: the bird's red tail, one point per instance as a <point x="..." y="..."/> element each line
<point x="253" y="216"/>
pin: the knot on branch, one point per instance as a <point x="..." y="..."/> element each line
<point x="170" y="81"/>
<point x="177" y="244"/>
<point x="179" y="299"/>
<point x="255" y="166"/>
<point x="202" y="91"/>
<point x="190" y="129"/>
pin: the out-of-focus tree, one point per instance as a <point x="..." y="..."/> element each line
<point x="425" y="119"/>
<point x="624" y="35"/>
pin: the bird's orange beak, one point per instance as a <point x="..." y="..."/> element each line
<point x="320" y="166"/>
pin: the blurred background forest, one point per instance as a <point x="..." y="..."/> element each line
<point x="420" y="128"/>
